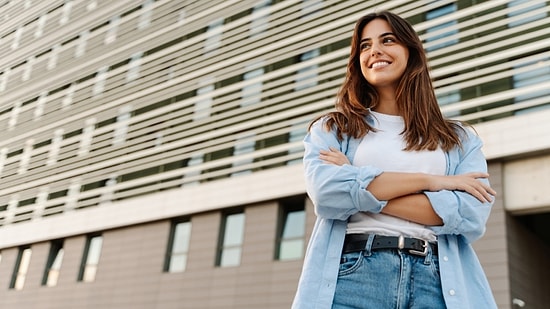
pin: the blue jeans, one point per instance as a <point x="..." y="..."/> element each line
<point x="388" y="279"/>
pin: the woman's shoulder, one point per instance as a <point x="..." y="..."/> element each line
<point x="469" y="138"/>
<point x="466" y="130"/>
<point x="326" y="123"/>
<point x="325" y="128"/>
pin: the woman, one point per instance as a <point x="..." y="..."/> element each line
<point x="400" y="192"/>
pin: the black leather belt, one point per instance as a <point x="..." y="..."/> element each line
<point x="416" y="246"/>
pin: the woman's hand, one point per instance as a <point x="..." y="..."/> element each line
<point x="465" y="182"/>
<point x="333" y="156"/>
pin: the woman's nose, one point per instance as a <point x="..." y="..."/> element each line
<point x="375" y="50"/>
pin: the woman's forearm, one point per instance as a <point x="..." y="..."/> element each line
<point x="389" y="185"/>
<point x="414" y="207"/>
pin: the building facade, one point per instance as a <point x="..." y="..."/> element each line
<point x="150" y="150"/>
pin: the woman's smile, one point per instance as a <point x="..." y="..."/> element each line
<point x="379" y="64"/>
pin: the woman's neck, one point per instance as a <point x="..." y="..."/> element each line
<point x="387" y="103"/>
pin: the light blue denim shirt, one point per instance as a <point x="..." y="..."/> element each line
<point x="340" y="191"/>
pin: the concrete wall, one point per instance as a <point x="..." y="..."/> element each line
<point x="130" y="273"/>
<point x="491" y="248"/>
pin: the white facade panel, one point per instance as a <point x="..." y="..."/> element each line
<point x="526" y="185"/>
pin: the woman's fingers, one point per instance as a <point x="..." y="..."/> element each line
<point x="477" y="175"/>
<point x="333" y="156"/>
<point x="469" y="182"/>
<point x="489" y="189"/>
<point x="483" y="189"/>
<point x="480" y="190"/>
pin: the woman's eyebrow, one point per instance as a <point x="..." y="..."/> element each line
<point x="380" y="36"/>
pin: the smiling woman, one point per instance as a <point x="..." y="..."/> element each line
<point x="395" y="186"/>
<point x="383" y="60"/>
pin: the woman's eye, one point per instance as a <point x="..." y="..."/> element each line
<point x="364" y="46"/>
<point x="389" y="40"/>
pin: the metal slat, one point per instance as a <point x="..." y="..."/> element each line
<point x="168" y="134"/>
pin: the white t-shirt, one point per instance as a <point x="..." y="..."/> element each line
<point x="384" y="149"/>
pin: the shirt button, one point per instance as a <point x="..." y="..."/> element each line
<point x="452" y="292"/>
<point x="445" y="258"/>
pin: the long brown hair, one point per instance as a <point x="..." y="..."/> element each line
<point x="425" y="126"/>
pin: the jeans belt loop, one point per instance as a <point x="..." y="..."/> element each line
<point x="401" y="242"/>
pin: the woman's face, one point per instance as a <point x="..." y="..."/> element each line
<point x="383" y="59"/>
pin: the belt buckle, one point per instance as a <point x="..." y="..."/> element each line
<point x="421" y="253"/>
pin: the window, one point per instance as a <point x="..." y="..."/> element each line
<point x="53" y="264"/>
<point x="537" y="74"/>
<point x="181" y="16"/>
<point x="251" y="93"/>
<point x="260" y="18"/>
<point x="122" y="123"/>
<point x="3" y="157"/>
<point x="271" y="142"/>
<point x="204" y="102"/>
<point x="244" y="145"/>
<point x="65" y="15"/>
<point x="90" y="259"/>
<point x="87" y="136"/>
<point x="21" y="268"/>
<point x="297" y="133"/>
<point x="68" y="98"/>
<point x="4" y="79"/>
<point x="134" y="67"/>
<point x="72" y="194"/>
<point x="307" y="77"/>
<point x="14" y="115"/>
<point x="25" y="157"/>
<point x="55" y="147"/>
<point x="218" y="155"/>
<point x="92" y="5"/>
<point x="214" y="38"/>
<point x="82" y="42"/>
<point x="40" y="25"/>
<point x="532" y="73"/>
<point x="40" y="103"/>
<point x="111" y="34"/>
<point x="193" y="170"/>
<point x="100" y="80"/>
<point x="178" y="247"/>
<point x="440" y="37"/>
<point x="28" y="68"/>
<point x="518" y="12"/>
<point x="146" y="14"/>
<point x="54" y="55"/>
<point x="106" y="196"/>
<point x="231" y="240"/>
<point x="17" y="37"/>
<point x="291" y="230"/>
<point x="311" y="8"/>
<point x="437" y="38"/>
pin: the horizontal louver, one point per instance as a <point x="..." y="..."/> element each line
<point x="102" y="101"/>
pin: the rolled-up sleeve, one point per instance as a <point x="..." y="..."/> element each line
<point x="336" y="191"/>
<point x="462" y="213"/>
